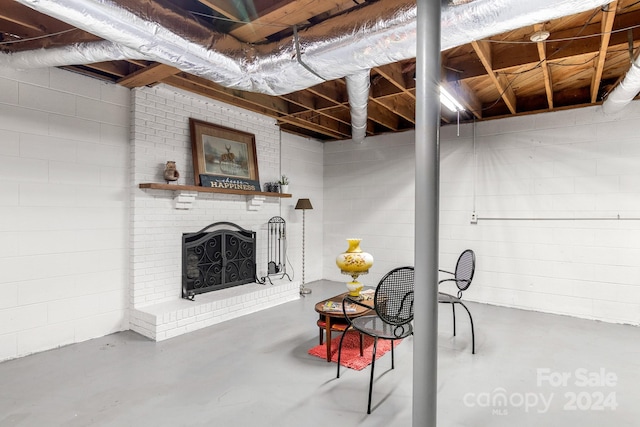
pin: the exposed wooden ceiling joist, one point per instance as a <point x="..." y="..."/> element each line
<point x="548" y="82"/>
<point x="483" y="50"/>
<point x="605" y="28"/>
<point x="500" y="76"/>
<point x="148" y="76"/>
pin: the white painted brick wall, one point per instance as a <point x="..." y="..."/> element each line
<point x="64" y="198"/>
<point x="65" y="186"/>
<point x="160" y="132"/>
<point x="172" y="318"/>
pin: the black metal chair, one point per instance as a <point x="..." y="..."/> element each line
<point x="465" y="267"/>
<point x="393" y="305"/>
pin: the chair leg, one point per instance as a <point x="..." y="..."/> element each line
<point x="321" y="336"/>
<point x="453" y="308"/>
<point x="473" y="335"/>
<point x="392" y="358"/>
<point x="373" y="365"/>
<point x="340" y="352"/>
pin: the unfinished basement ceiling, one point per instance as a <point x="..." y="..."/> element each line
<point x="584" y="57"/>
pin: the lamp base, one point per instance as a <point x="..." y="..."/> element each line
<point x="354" y="288"/>
<point x="304" y="291"/>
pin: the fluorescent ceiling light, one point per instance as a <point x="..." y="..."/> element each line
<point x="449" y="101"/>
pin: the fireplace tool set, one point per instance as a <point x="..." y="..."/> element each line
<point x="276" y="249"/>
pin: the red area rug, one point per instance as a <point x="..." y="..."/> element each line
<point x="351" y="350"/>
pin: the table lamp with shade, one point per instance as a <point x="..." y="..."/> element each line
<point x="303" y="204"/>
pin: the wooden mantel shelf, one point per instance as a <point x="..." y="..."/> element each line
<point x="185" y="195"/>
<point x="175" y="187"/>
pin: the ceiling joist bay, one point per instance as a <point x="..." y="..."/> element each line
<point x="585" y="56"/>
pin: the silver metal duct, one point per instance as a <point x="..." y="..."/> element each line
<point x="624" y="93"/>
<point x="360" y="40"/>
<point x="358" y="91"/>
<point x="376" y="34"/>
<point x="479" y="19"/>
<point x="76" y="54"/>
<point x="373" y="36"/>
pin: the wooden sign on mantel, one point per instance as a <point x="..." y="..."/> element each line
<point x="220" y="181"/>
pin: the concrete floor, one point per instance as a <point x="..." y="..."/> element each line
<point x="531" y="369"/>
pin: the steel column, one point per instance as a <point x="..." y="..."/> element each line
<point x="425" y="359"/>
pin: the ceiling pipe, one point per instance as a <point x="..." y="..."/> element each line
<point x="375" y="34"/>
<point x="340" y="46"/>
<point x="378" y="33"/>
<point x="624" y="93"/>
<point x="358" y="93"/>
<point x="75" y="54"/>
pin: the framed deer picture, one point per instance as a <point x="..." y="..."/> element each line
<point x="223" y="157"/>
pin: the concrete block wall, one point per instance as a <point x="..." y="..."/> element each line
<point x="369" y="194"/>
<point x="67" y="189"/>
<point x="302" y="162"/>
<point x="548" y="190"/>
<point x="63" y="209"/>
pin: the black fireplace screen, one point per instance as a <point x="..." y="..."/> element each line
<point x="216" y="258"/>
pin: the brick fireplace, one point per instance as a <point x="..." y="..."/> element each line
<point x="159" y="218"/>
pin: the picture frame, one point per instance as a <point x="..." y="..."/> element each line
<point x="223" y="157"/>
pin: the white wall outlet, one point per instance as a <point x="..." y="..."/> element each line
<point x="474" y="218"/>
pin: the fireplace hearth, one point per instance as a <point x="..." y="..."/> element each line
<point x="219" y="256"/>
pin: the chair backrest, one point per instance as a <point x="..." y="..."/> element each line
<point x="393" y="299"/>
<point x="465" y="268"/>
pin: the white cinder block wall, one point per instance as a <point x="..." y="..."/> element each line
<point x="65" y="219"/>
<point x="369" y="194"/>
<point x="557" y="180"/>
<point x="555" y="184"/>
<point x="64" y="147"/>
<point x="302" y="162"/>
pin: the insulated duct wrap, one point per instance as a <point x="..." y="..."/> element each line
<point x="476" y="20"/>
<point x="358" y="90"/>
<point x="375" y="34"/>
<point x="365" y="37"/>
<point x="110" y="21"/>
<point x="76" y="54"/>
<point x="624" y="93"/>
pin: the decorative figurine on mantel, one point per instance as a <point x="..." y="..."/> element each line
<point x="170" y="172"/>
